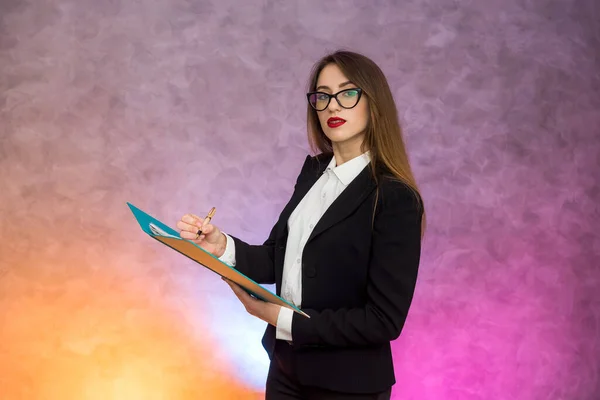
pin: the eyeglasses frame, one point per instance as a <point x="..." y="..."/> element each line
<point x="335" y="95"/>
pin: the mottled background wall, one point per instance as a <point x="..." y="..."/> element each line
<point x="178" y="106"/>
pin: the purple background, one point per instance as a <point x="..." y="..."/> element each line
<point x="178" y="106"/>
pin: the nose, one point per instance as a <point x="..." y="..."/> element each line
<point x="334" y="106"/>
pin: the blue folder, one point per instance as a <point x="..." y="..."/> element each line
<point x="170" y="237"/>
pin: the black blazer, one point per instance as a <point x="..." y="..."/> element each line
<point x="359" y="271"/>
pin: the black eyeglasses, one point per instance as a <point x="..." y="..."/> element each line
<point x="347" y="98"/>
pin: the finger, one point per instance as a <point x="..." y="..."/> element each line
<point x="227" y="281"/>
<point x="203" y="233"/>
<point x="237" y="294"/>
<point x="241" y="293"/>
<point x="208" y="229"/>
<point x="189" y="223"/>
<point x="189" y="219"/>
<point x="206" y="224"/>
<point x="230" y="282"/>
<point x="184" y="226"/>
<point x="198" y="221"/>
<point x="233" y="286"/>
<point x="189" y="235"/>
<point x="193" y="236"/>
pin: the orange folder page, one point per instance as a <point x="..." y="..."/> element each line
<point x="170" y="237"/>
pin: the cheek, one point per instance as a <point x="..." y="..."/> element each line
<point x="323" y="120"/>
<point x="362" y="115"/>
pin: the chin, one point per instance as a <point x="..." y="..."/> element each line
<point x="338" y="136"/>
<point x="335" y="132"/>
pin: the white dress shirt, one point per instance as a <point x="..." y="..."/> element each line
<point x="300" y="225"/>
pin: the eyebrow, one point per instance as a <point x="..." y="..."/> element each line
<point x="328" y="88"/>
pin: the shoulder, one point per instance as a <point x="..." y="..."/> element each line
<point x="314" y="164"/>
<point x="397" y="204"/>
<point x="394" y="193"/>
<point x="319" y="159"/>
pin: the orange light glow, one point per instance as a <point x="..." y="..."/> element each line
<point x="101" y="337"/>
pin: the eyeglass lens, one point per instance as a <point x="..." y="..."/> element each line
<point x="347" y="99"/>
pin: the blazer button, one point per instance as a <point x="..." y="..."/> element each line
<point x="311" y="272"/>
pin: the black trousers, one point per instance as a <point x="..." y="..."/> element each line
<point x="282" y="383"/>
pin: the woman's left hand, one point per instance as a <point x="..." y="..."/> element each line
<point x="268" y="312"/>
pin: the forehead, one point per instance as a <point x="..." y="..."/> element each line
<point x="331" y="76"/>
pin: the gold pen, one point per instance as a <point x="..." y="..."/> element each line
<point x="211" y="213"/>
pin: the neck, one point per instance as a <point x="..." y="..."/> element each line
<point x="346" y="151"/>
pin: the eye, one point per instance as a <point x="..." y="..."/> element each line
<point x="322" y="96"/>
<point x="350" y="93"/>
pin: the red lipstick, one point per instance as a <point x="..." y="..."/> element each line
<point x="334" y="122"/>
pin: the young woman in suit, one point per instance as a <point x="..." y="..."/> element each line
<point x="345" y="248"/>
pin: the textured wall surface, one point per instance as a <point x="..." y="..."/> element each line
<point x="181" y="105"/>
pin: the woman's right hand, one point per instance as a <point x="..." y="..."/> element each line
<point x="211" y="239"/>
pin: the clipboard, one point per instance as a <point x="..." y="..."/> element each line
<point x="170" y="237"/>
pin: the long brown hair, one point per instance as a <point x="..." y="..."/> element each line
<point x="383" y="135"/>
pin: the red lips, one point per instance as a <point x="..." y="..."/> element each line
<point x="334" y="122"/>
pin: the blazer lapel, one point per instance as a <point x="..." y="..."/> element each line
<point x="305" y="183"/>
<point x="356" y="192"/>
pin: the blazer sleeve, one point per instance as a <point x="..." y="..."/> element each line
<point x="394" y="262"/>
<point x="257" y="261"/>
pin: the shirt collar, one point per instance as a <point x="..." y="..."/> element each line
<point x="350" y="169"/>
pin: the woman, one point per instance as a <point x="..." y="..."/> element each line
<point x="345" y="249"/>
